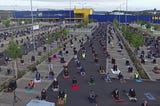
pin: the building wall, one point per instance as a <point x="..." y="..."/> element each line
<point x="121" y="18"/>
<point x="59" y="14"/>
<point x="85" y="12"/>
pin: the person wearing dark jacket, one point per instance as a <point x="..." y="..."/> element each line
<point x="115" y="93"/>
<point x="132" y="93"/>
<point x="145" y="103"/>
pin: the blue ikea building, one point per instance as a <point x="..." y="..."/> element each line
<point x="54" y="14"/>
<point x="72" y="14"/>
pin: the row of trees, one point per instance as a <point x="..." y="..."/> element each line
<point x="134" y="39"/>
<point x="148" y="25"/>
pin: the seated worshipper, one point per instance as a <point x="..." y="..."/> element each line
<point x="130" y="69"/>
<point x="55" y="85"/>
<point x="132" y="93"/>
<point x="50" y="66"/>
<point x="74" y="81"/>
<point x="91" y="81"/>
<point x="66" y="73"/>
<point x="127" y="62"/>
<point x="107" y="78"/>
<point x="34" y="69"/>
<point x="120" y="76"/>
<point x="154" y="61"/>
<point x="113" y="61"/>
<point x="49" y="59"/>
<point x="51" y="75"/>
<point x="44" y="49"/>
<point x="82" y="72"/>
<point x="75" y="85"/>
<point x="78" y="65"/>
<point x="92" y="97"/>
<point x="102" y="72"/>
<point x="65" y="66"/>
<point x="60" y="53"/>
<point x="33" y="59"/>
<point x="83" y="55"/>
<point x="43" y="94"/>
<point x="61" y="95"/>
<point x="136" y="75"/>
<point x="8" y="71"/>
<point x="96" y="59"/>
<point x="114" y="67"/>
<point x="31" y="84"/>
<point x="62" y="60"/>
<point x="37" y="77"/>
<point x="115" y="94"/>
<point x="142" y="61"/>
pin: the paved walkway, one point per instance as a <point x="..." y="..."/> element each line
<point x="7" y="98"/>
<point x="120" y="55"/>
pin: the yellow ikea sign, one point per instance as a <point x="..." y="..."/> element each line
<point x="155" y="18"/>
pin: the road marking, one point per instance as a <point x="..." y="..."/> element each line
<point x="149" y="96"/>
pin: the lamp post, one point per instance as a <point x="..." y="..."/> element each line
<point x="126" y="15"/>
<point x="32" y="28"/>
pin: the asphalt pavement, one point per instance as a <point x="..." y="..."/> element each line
<point x="101" y="88"/>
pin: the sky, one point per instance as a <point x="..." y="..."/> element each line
<point x="99" y="5"/>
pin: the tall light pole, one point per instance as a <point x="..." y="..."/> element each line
<point x="126" y="15"/>
<point x="33" y="40"/>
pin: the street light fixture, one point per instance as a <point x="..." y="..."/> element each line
<point x="126" y="15"/>
<point x="32" y="28"/>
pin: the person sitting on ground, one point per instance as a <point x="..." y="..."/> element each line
<point x="154" y="61"/>
<point x="127" y="62"/>
<point x="101" y="70"/>
<point x="38" y="76"/>
<point x="96" y="59"/>
<point x="132" y="93"/>
<point x="120" y="76"/>
<point x="43" y="94"/>
<point x="83" y="55"/>
<point x="8" y="71"/>
<point x="74" y="81"/>
<point x="78" y="64"/>
<point x="107" y="78"/>
<point x="92" y="97"/>
<point x="115" y="93"/>
<point x="65" y="66"/>
<point x="130" y="69"/>
<point x="113" y="61"/>
<point x="34" y="69"/>
<point x="31" y="84"/>
<point x="136" y="75"/>
<point x="61" y="95"/>
<point x="55" y="84"/>
<point x="145" y="103"/>
<point x="66" y="72"/>
<point x="91" y="79"/>
<point x="82" y="71"/>
<point x="51" y="75"/>
<point x="114" y="67"/>
<point x="62" y="60"/>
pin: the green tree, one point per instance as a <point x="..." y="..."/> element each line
<point x="115" y="21"/>
<point x="6" y="23"/>
<point x="65" y="31"/>
<point x="49" y="39"/>
<point x="14" y="51"/>
<point x="148" y="25"/>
